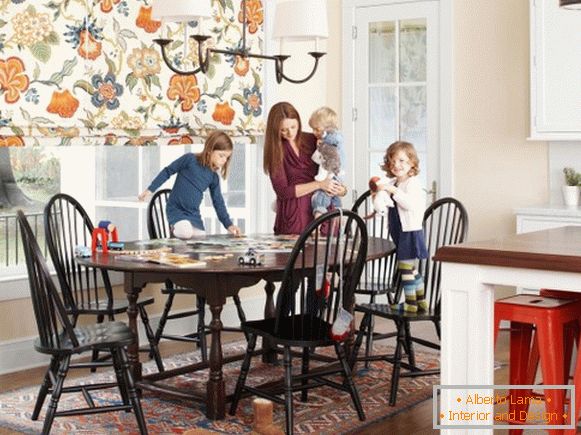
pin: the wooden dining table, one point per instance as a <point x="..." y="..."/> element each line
<point x="215" y="281"/>
<point x="470" y="271"/>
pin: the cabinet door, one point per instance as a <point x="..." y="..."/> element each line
<point x="555" y="67"/>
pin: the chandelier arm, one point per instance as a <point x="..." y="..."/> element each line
<point x="163" y="43"/>
<point x="204" y="56"/>
<point x="280" y="74"/>
<point x="242" y="53"/>
<point x="204" y="60"/>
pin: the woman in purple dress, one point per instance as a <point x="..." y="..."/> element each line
<point x="287" y="160"/>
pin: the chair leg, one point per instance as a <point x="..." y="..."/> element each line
<point x="118" y="366"/>
<point x="304" y="371"/>
<point x="348" y="379"/>
<point x="56" y="393"/>
<point x="46" y="384"/>
<point x="202" y="344"/>
<point x="437" y="326"/>
<point x="409" y="344"/>
<point x="241" y="314"/>
<point x="132" y="392"/>
<point x="164" y="314"/>
<point x="95" y="357"/>
<point x="396" y="365"/>
<point x="151" y="338"/>
<point x="243" y="373"/>
<point x="363" y="327"/>
<point x="369" y="340"/>
<point x="288" y="390"/>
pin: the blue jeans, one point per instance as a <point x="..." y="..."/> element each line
<point x="321" y="201"/>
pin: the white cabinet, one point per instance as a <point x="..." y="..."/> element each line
<point x="555" y="64"/>
<point x="543" y="218"/>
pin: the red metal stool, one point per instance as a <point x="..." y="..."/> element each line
<point x="571" y="337"/>
<point x="549" y="316"/>
<point x="571" y="334"/>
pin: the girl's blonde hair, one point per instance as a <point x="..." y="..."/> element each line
<point x="410" y="152"/>
<point x="324" y="117"/>
<point x="217" y="141"/>
<point x="273" y="150"/>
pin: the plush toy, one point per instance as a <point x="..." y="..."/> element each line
<point x="328" y="156"/>
<point x="380" y="198"/>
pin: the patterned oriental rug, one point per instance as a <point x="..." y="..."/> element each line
<point x="328" y="411"/>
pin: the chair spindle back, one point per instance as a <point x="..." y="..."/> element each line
<point x="327" y="256"/>
<point x="157" y="223"/>
<point x="68" y="225"/>
<point x="49" y="311"/>
<point x="445" y="223"/>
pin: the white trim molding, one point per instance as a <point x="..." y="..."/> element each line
<point x="19" y="354"/>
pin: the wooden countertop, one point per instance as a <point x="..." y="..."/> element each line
<point x="557" y="249"/>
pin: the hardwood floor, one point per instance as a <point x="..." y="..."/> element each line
<point x="414" y="421"/>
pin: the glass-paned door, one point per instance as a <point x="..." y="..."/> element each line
<point x="396" y="86"/>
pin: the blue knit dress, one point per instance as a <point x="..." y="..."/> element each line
<point x="409" y="244"/>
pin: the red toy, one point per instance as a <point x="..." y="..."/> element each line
<point x="101" y="234"/>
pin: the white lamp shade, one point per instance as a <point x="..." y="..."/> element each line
<point x="181" y="10"/>
<point x="301" y="20"/>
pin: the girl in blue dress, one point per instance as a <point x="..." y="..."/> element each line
<point x="196" y="173"/>
<point x="405" y="221"/>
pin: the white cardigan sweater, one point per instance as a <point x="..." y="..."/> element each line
<point x="410" y="200"/>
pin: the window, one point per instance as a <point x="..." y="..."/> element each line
<point x="128" y="171"/>
<point x="106" y="181"/>
<point x="28" y="177"/>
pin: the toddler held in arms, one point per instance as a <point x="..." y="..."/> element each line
<point x="329" y="155"/>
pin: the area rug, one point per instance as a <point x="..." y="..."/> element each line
<point x="327" y="410"/>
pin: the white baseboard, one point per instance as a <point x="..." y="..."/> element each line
<point x="19" y="354"/>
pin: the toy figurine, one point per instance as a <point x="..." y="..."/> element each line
<point x="107" y="225"/>
<point x="101" y="236"/>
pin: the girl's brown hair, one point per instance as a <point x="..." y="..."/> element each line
<point x="410" y="152"/>
<point x="217" y="141"/>
<point x="273" y="151"/>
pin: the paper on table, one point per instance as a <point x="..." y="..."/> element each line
<point x="168" y="259"/>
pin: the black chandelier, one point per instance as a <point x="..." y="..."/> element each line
<point x="285" y="27"/>
<point x="570" y="4"/>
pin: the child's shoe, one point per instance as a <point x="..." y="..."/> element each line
<point x="423" y="306"/>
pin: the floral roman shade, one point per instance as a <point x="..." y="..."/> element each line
<point x="78" y="72"/>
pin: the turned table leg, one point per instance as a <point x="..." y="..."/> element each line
<point x="216" y="388"/>
<point x="132" y="293"/>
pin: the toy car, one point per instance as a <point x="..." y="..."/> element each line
<point x="251" y="257"/>
<point x="116" y="246"/>
<point x="82" y="251"/>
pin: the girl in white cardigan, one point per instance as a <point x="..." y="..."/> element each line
<point x="405" y="221"/>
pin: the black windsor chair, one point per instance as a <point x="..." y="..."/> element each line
<point x="379" y="276"/>
<point x="445" y="223"/>
<point x="305" y="313"/>
<point x="86" y="291"/>
<point x="59" y="338"/>
<point x="158" y="228"/>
